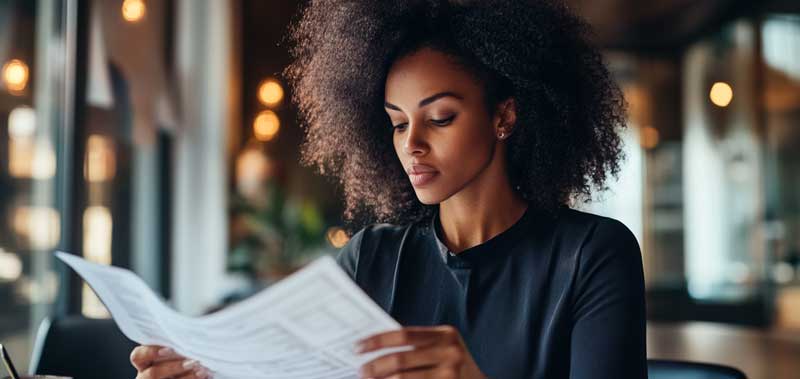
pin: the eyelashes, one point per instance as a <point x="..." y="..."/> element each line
<point x="439" y="122"/>
<point x="445" y="121"/>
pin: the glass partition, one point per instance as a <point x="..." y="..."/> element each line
<point x="781" y="103"/>
<point x="34" y="62"/>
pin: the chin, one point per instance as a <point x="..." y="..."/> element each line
<point x="428" y="197"/>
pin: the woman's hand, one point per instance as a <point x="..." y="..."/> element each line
<point x="158" y="362"/>
<point x="438" y="352"/>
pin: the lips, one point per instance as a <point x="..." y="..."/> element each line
<point x="420" y="169"/>
<point x="421" y="174"/>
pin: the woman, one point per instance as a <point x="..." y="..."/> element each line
<point x="461" y="131"/>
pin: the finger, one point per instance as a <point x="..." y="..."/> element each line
<point x="143" y="357"/>
<point x="449" y="355"/>
<point x="197" y="373"/>
<point x="428" y="373"/>
<point x="171" y="369"/>
<point x="410" y="336"/>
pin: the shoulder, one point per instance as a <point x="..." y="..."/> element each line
<point x="608" y="259"/>
<point x="595" y="233"/>
<point x="594" y="248"/>
<point x="363" y="245"/>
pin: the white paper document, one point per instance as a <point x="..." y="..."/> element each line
<point x="304" y="326"/>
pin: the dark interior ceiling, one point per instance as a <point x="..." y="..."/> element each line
<point x="632" y="25"/>
<point x="665" y="25"/>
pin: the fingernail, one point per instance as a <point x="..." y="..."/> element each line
<point x="360" y="347"/>
<point x="191" y="363"/>
<point x="165" y="351"/>
<point x="201" y="373"/>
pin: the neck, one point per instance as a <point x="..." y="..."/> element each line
<point x="486" y="207"/>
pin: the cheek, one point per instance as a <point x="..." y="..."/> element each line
<point x="397" y="142"/>
<point x="468" y="147"/>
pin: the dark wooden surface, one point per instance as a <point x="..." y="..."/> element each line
<point x="761" y="354"/>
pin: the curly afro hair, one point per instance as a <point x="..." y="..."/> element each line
<point x="569" y="108"/>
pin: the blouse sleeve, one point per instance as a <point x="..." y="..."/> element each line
<point x="608" y="336"/>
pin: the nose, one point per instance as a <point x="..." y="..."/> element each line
<point x="414" y="142"/>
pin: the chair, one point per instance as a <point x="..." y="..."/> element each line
<point x="82" y="348"/>
<point x="667" y="369"/>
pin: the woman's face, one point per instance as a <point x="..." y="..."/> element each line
<point x="443" y="134"/>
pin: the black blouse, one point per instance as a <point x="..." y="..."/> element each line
<point x="554" y="296"/>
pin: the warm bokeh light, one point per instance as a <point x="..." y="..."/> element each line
<point x="40" y="226"/>
<point x="28" y="156"/>
<point x="21" y="123"/>
<point x="41" y="290"/>
<point x="649" y="137"/>
<point x="97" y="233"/>
<point x="15" y="76"/>
<point x="10" y="266"/>
<point x="97" y="229"/>
<point x="270" y="92"/>
<point x="253" y="169"/>
<point x="133" y="10"/>
<point x="337" y="237"/>
<point x="266" y="126"/>
<point x="44" y="161"/>
<point x="91" y="306"/>
<point x="100" y="162"/>
<point x="31" y="158"/>
<point x="721" y="94"/>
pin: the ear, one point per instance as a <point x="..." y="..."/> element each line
<point x="505" y="118"/>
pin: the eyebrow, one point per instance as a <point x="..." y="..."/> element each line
<point x="427" y="100"/>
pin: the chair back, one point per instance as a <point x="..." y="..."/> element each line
<point x="82" y="348"/>
<point x="667" y="369"/>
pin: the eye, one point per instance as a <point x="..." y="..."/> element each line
<point x="399" y="126"/>
<point x="443" y="122"/>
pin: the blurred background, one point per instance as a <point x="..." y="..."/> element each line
<point x="157" y="135"/>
